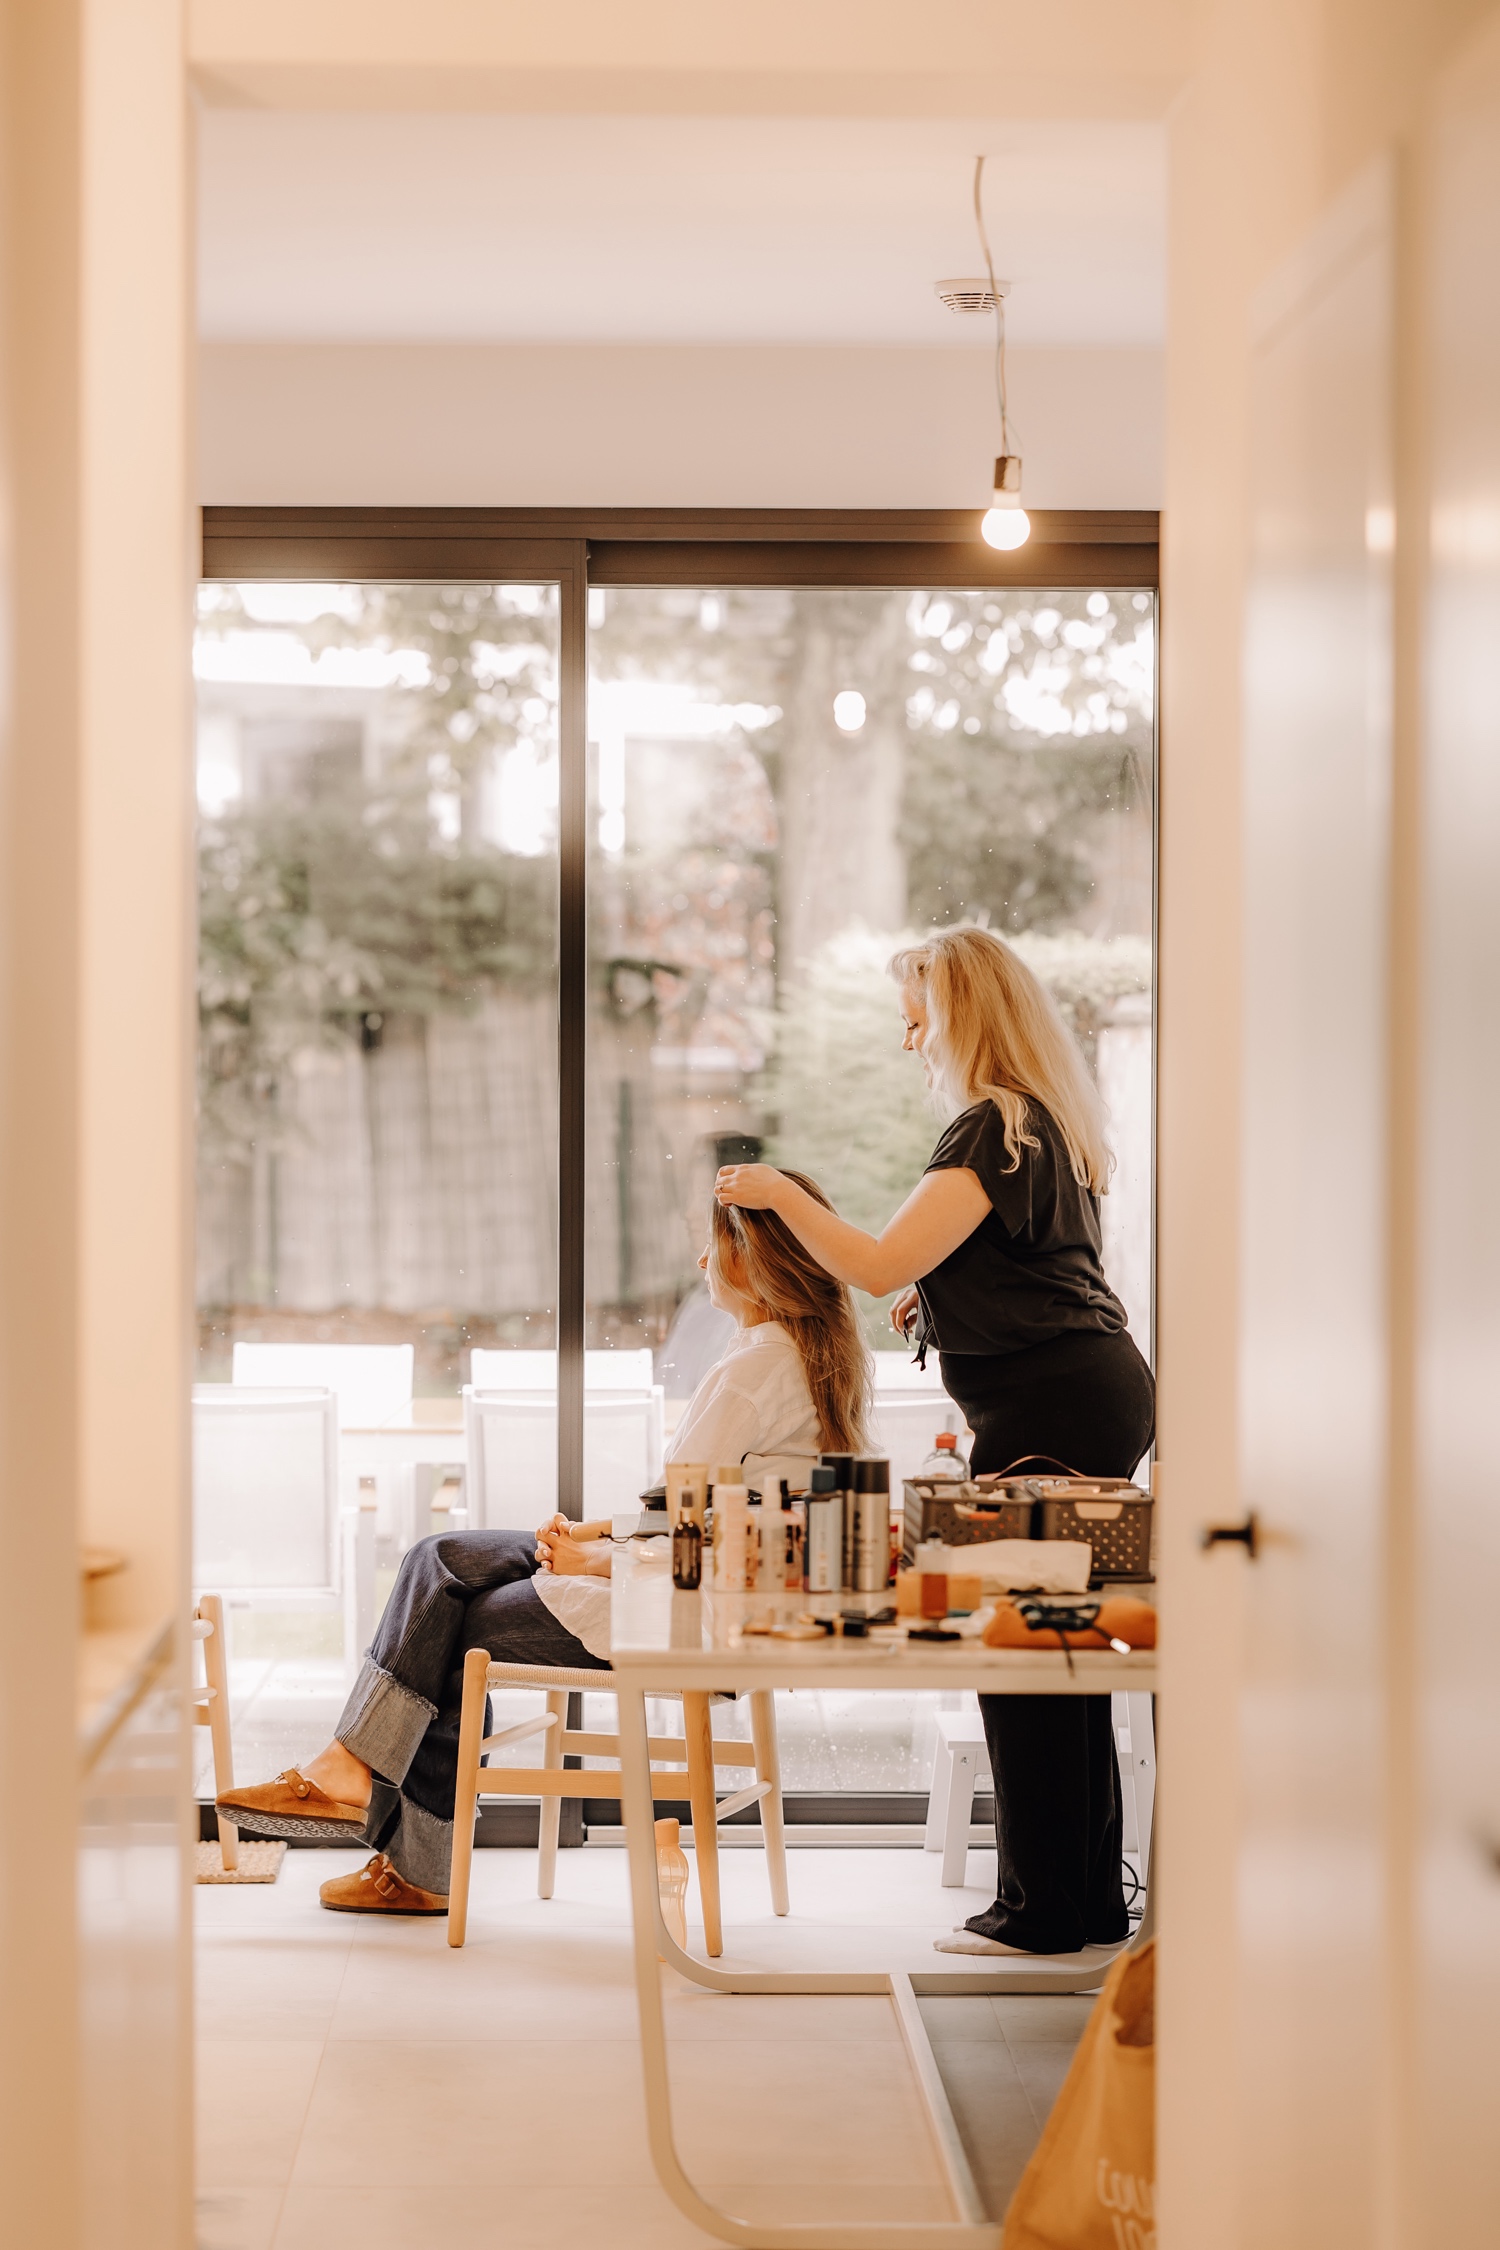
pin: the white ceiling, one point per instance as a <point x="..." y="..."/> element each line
<point x="686" y="230"/>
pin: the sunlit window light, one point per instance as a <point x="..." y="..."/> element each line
<point x="281" y="660"/>
<point x="518" y="805"/>
<point x="220" y="777"/>
<point x="611" y="771"/>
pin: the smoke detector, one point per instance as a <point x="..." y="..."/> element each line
<point x="972" y="296"/>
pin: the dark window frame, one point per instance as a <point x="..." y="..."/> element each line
<point x="576" y="548"/>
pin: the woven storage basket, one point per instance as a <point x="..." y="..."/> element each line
<point x="962" y="1516"/>
<point x="1112" y="1518"/>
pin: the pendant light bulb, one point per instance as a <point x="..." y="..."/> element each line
<point x="1006" y="525"/>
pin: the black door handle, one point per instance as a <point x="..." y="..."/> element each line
<point x="1246" y="1535"/>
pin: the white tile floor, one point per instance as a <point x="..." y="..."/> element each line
<point x="363" y="2085"/>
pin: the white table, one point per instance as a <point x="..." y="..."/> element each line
<point x="425" y="1433"/>
<point x="664" y="1640"/>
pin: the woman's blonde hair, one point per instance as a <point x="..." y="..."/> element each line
<point x="995" y="1032"/>
<point x="768" y="1264"/>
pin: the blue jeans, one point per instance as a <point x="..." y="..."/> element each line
<point x="460" y="1590"/>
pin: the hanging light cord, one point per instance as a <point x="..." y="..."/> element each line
<point x="999" y="304"/>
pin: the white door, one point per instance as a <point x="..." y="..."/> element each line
<point x="1450" y="2091"/>
<point x="1347" y="2020"/>
<point x="1313" y="1345"/>
<point x="1273" y="1804"/>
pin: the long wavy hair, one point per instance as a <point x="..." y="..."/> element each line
<point x="994" y="1032"/>
<point x="756" y="1254"/>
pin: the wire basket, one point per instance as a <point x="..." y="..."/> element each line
<point x="1112" y="1518"/>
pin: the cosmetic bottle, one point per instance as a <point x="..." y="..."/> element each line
<point x="687" y="1555"/>
<point x="731" y="1537"/>
<point x="825" y="1533"/>
<point x="780" y="1544"/>
<point x="672" y="1880"/>
<point x="945" y="1461"/>
<point x="794" y="1518"/>
<point x="768" y="1546"/>
<point x="756" y="1562"/>
<point x="871" y="1542"/>
<point x="687" y="1491"/>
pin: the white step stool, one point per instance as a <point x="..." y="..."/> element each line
<point x="961" y="1758"/>
<point x="957" y="1763"/>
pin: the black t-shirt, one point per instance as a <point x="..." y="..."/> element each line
<point x="1031" y="1270"/>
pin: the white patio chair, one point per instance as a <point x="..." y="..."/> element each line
<point x="510" y="1442"/>
<point x="265" y="1490"/>
<point x="537" y="1371"/>
<point x="605" y="1374"/>
<point x="372" y="1382"/>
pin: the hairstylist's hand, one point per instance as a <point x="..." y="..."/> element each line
<point x="902" y="1309"/>
<point x="751" y="1187"/>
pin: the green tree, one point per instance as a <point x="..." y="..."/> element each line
<point x="1029" y="733"/>
<point x="359" y="891"/>
<point x="852" y="1110"/>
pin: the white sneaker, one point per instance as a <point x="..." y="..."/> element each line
<point x="969" y="1941"/>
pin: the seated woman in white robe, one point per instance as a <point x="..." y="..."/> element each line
<point x="793" y="1381"/>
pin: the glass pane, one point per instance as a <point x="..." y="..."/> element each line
<point x="785" y="783"/>
<point x="377" y="1186"/>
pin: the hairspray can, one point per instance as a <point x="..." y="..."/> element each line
<point x="872" y="1524"/>
<point x="825" y="1533"/>
<point x="842" y="1465"/>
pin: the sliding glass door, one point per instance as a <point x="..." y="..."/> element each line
<point x="378" y="792"/>
<point x="786" y="784"/>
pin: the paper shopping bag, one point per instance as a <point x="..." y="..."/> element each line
<point x="1091" y="2183"/>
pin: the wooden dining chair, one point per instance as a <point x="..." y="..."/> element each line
<point x="694" y="1750"/>
<point x="211" y="1710"/>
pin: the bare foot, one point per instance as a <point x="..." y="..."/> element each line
<point x="340" y="1775"/>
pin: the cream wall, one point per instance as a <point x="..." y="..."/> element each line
<point x="661" y="426"/>
<point x="95" y="948"/>
<point x="840" y="58"/>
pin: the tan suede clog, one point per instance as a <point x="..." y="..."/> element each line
<point x="293" y="1806"/>
<point x="378" y="1889"/>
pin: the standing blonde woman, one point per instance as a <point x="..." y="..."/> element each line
<point x="996" y="1253"/>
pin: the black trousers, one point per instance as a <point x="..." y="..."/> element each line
<point x="1088" y="1401"/>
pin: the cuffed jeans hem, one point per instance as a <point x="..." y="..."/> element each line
<point x="383" y="1723"/>
<point x="420" y="1847"/>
